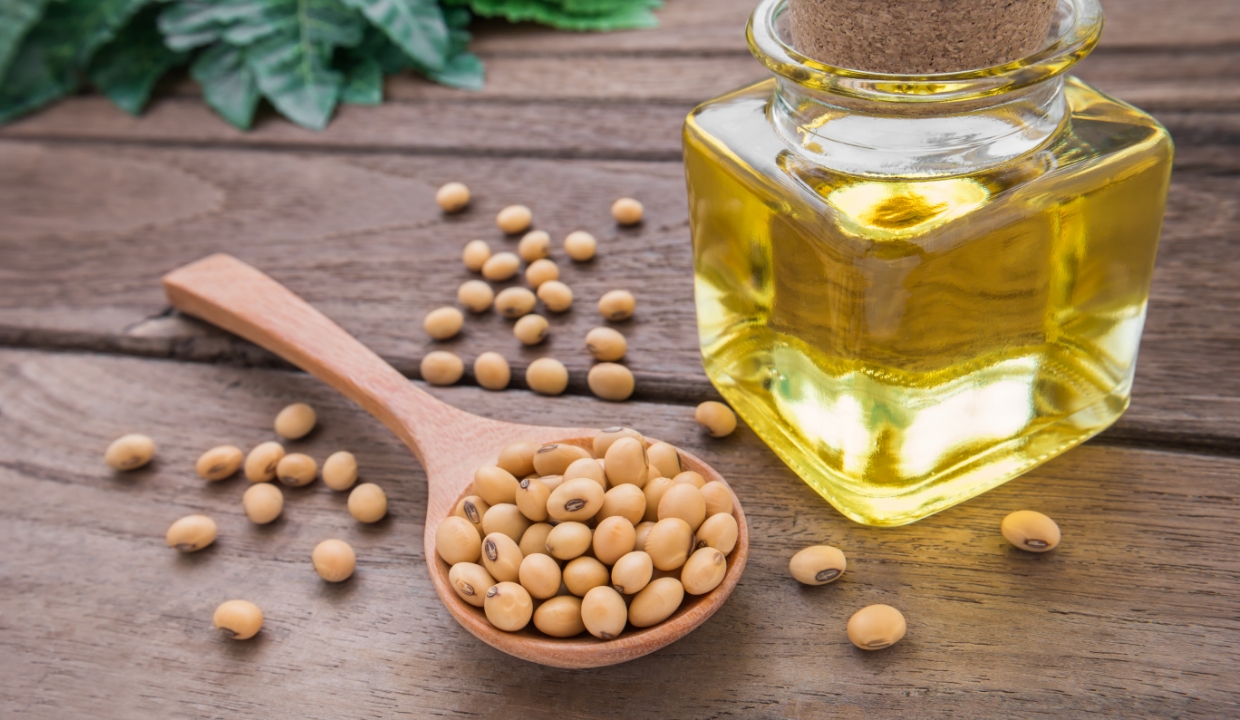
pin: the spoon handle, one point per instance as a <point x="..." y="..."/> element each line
<point x="239" y="298"/>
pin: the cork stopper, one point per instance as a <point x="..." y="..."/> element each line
<point x="916" y="37"/>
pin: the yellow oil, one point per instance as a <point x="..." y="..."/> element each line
<point x="905" y="344"/>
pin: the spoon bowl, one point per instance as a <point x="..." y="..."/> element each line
<point x="449" y="443"/>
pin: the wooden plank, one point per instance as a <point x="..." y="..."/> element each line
<point x="360" y="237"/>
<point x="1132" y="615"/>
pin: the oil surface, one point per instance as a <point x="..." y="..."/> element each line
<point x="905" y="344"/>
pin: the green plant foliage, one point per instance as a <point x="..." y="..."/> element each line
<point x="127" y="68"/>
<point x="16" y="19"/>
<point x="570" y="14"/>
<point x="417" y="26"/>
<point x="227" y="83"/>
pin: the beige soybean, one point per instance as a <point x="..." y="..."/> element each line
<point x="368" y="503"/>
<point x="534" y="541"/>
<point x="475" y="295"/>
<point x="452" y="197"/>
<point x="501" y="557"/>
<point x="584" y="574"/>
<point x="557" y="296"/>
<point x="508" y="606"/>
<point x="531" y="329"/>
<point x="627" y="211"/>
<point x="617" y="305"/>
<point x="340" y="470"/>
<point x="129" y="452"/>
<point x="718" y="532"/>
<point x="547" y="376"/>
<point x="219" y="462"/>
<point x="334" y="560"/>
<point x="683" y="501"/>
<point x="666" y="458"/>
<point x="576" y="500"/>
<point x="609" y="381"/>
<point x="703" y="571"/>
<point x="613" y="539"/>
<point x="261" y="463"/>
<point x="505" y="518"/>
<point x="580" y="245"/>
<point x="442" y="368"/>
<point x="718" y="498"/>
<point x="586" y="467"/>
<point x="263" y="502"/>
<point x="540" y="575"/>
<point x="627" y="501"/>
<point x="604" y="439"/>
<point x="689" y="477"/>
<point x="238" y="619"/>
<point x="491" y="371"/>
<point x="515" y="302"/>
<point x="625" y="462"/>
<point x="495" y="485"/>
<point x="603" y="612"/>
<point x="876" y="627"/>
<point x="652" y="473"/>
<point x="555" y="459"/>
<point x="653" y="491"/>
<point x="534" y="245"/>
<point x="297" y="469"/>
<point x="668" y="543"/>
<point x="817" y="565"/>
<point x="501" y="266"/>
<point x="560" y="617"/>
<point x="541" y="271"/>
<point x="514" y="219"/>
<point x="606" y="344"/>
<point x="191" y="533"/>
<point x="717" y="418"/>
<point x="443" y="323"/>
<point x="457" y="541"/>
<point x="632" y="572"/>
<point x="656" y="602"/>
<point x="551" y="481"/>
<point x="472" y="508"/>
<point x="532" y="496"/>
<point x="475" y="254"/>
<point x="471" y="582"/>
<point x="568" y="540"/>
<point x="1030" y="530"/>
<point x="643" y="531"/>
<point x="295" y="421"/>
<point x="518" y="458"/>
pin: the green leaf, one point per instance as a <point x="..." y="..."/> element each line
<point x="16" y="19"/>
<point x="417" y="26"/>
<point x="227" y="82"/>
<point x="596" y="15"/>
<point x="464" y="70"/>
<point x="52" y="56"/>
<point x="127" y="68"/>
<point x="363" y="84"/>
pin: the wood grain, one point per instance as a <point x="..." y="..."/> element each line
<point x="1133" y="615"/>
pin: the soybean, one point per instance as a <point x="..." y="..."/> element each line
<point x="555" y="459"/>
<point x="505" y="518"/>
<point x="617" y="305"/>
<point x="604" y="439"/>
<point x="656" y="602"/>
<point x="296" y="470"/>
<point x="568" y="540"/>
<point x="457" y="541"/>
<point x="560" y="617"/>
<point x="531" y="329"/>
<point x="610" y="381"/>
<point x="471" y="582"/>
<point x="668" y="543"/>
<point x="452" y="197"/>
<point x="501" y="557"/>
<point x="514" y="219"/>
<point x="580" y="245"/>
<point x="541" y="271"/>
<point x="718" y="532"/>
<point x="491" y="371"/>
<point x="643" y="531"/>
<point x="442" y="368"/>
<point x="334" y="560"/>
<point x="626" y="501"/>
<point x="876" y="627"/>
<point x="238" y="619"/>
<point x="1030" y="530"/>
<point x="501" y="266"/>
<point x="475" y="255"/>
<point x="586" y="467"/>
<point x="818" y="565"/>
<point x="340" y="470"/>
<point x="626" y="462"/>
<point x="475" y="295"/>
<point x="718" y="498"/>
<point x="666" y="458"/>
<point x="683" y="501"/>
<point x="547" y="376"/>
<point x="540" y="575"/>
<point x="534" y="541"/>
<point x="576" y="500"/>
<point x="535" y="245"/>
<point x="532" y="496"/>
<point x="627" y="211"/>
<point x="495" y="484"/>
<point x="557" y="296"/>
<point x="191" y="533"/>
<point x="219" y="462"/>
<point x="690" y="477"/>
<point x="129" y="452"/>
<point x="515" y="302"/>
<point x="613" y="539"/>
<point x="606" y="344"/>
<point x="654" y="492"/>
<point x="261" y="463"/>
<point x="443" y="323"/>
<point x="632" y="572"/>
<point x="584" y="574"/>
<point x="703" y="571"/>
<point x="295" y="421"/>
<point x="717" y="418"/>
<point x="508" y="606"/>
<point x="518" y="457"/>
<point x="603" y="612"/>
<point x="263" y="502"/>
<point x="368" y="503"/>
<point x="472" y="508"/>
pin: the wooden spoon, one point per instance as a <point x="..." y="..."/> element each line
<point x="450" y="444"/>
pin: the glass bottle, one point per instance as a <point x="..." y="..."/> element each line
<point x="914" y="288"/>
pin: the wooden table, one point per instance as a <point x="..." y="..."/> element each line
<point x="1136" y="614"/>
